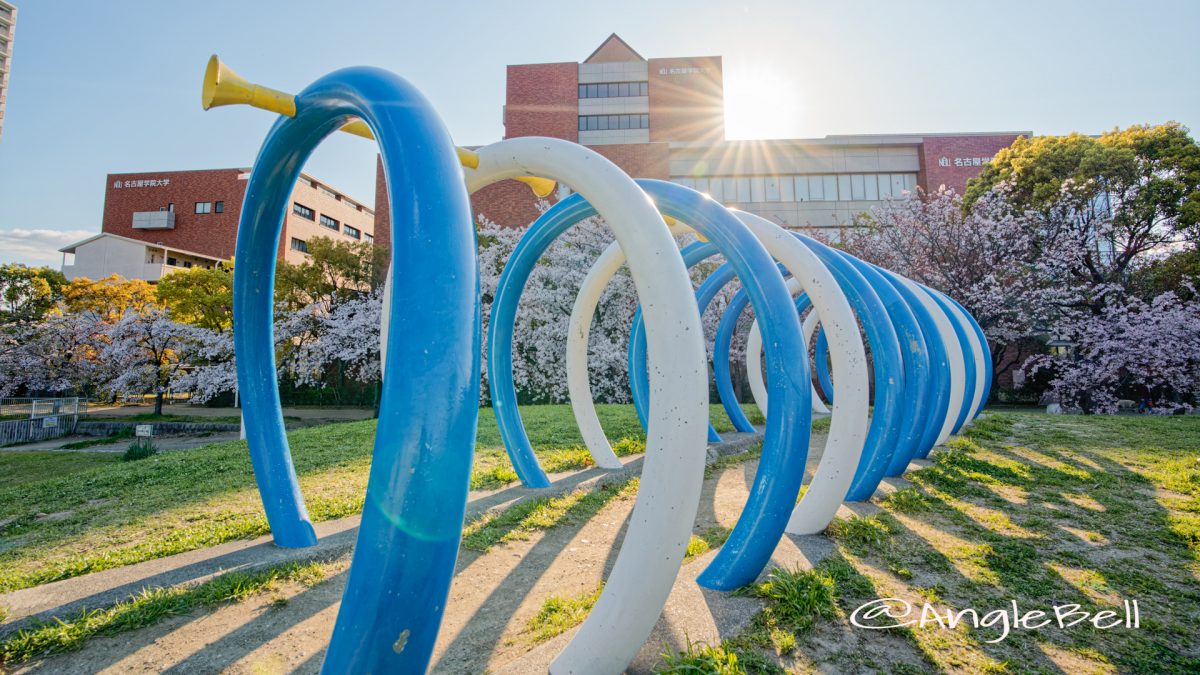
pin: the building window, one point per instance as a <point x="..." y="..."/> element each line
<point x="172" y="262"/>
<point x="303" y="211"/>
<point x="368" y="238"/>
<point x="326" y="221"/>
<point x="218" y="207"/>
<point x="187" y="264"/>
<point x="352" y="232"/>
<point x="299" y="245"/>
<point x="611" y="122"/>
<point x="203" y="207"/>
<point x="614" y="90"/>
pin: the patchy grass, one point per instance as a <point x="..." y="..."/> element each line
<point x="711" y="538"/>
<point x="1025" y="507"/>
<point x="108" y="515"/>
<point x="700" y="658"/>
<point x="907" y="500"/>
<point x="559" y="614"/>
<point x="860" y="533"/>
<point x="148" y="607"/>
<point x="797" y="599"/>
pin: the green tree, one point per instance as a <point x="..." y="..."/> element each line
<point x="199" y="296"/>
<point x="1118" y="196"/>
<point x="1169" y="274"/>
<point x="333" y="272"/>
<point x="108" y="299"/>
<point x="28" y="293"/>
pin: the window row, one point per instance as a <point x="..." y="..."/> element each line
<point x="326" y="222"/>
<point x="614" y="89"/>
<point x="806" y="188"/>
<point x="608" y="122"/>
<point x="208" y="207"/>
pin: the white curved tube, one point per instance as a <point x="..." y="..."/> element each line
<point x="976" y="354"/>
<point x="958" y="375"/>
<point x="673" y="469"/>
<point x="758" y="387"/>
<point x="848" y="426"/>
<point x="848" y="430"/>
<point x="579" y="388"/>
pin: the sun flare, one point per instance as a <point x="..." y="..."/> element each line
<point x="761" y="103"/>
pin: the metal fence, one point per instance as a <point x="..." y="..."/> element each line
<point x="35" y="408"/>
<point x="23" y="420"/>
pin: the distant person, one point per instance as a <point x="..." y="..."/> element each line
<point x="1145" y="405"/>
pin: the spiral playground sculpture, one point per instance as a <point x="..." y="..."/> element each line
<point x="930" y="363"/>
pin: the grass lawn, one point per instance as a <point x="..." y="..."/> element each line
<point x="89" y="513"/>
<point x="1041" y="510"/>
<point x="20" y="468"/>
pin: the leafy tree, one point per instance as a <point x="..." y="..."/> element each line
<point x="28" y="293"/>
<point x="1177" y="272"/>
<point x="334" y="271"/>
<point x="109" y="299"/>
<point x="1117" y="196"/>
<point x="199" y="296"/>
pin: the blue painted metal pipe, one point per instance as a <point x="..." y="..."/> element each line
<point x="417" y="489"/>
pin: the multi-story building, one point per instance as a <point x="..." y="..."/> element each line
<point x="8" y="27"/>
<point x="664" y="118"/>
<point x="155" y="223"/>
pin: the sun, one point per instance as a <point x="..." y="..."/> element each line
<point x="760" y="103"/>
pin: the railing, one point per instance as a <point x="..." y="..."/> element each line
<point x="24" y="420"/>
<point x="35" y="408"/>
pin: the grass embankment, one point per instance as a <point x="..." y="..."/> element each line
<point x="1042" y="510"/>
<point x="95" y="513"/>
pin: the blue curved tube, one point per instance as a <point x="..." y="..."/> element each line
<point x="639" y="380"/>
<point x="915" y="361"/>
<point x="502" y="324"/>
<point x="417" y="490"/>
<point x="988" y="366"/>
<point x="785" y="446"/>
<point x="938" y="388"/>
<point x="821" y="360"/>
<point x="968" y="358"/>
<point x="888" y="367"/>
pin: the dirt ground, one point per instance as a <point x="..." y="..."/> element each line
<point x="493" y="596"/>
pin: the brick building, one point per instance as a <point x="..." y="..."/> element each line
<point x="158" y="222"/>
<point x="664" y="118"/>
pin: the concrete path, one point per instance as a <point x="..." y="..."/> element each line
<point x="305" y="413"/>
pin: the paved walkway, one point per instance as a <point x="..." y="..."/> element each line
<point x="305" y="413"/>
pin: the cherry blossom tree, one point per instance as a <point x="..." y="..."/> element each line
<point x="1152" y="349"/>
<point x="148" y="351"/>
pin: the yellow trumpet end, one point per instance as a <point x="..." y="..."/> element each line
<point x="468" y="158"/>
<point x="542" y="187"/>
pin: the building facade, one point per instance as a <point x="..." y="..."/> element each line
<point x="664" y="118"/>
<point x="156" y="223"/>
<point x="8" y="28"/>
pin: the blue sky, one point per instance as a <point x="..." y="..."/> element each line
<point x="107" y="87"/>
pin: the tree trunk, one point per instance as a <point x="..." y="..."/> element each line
<point x="158" y="402"/>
